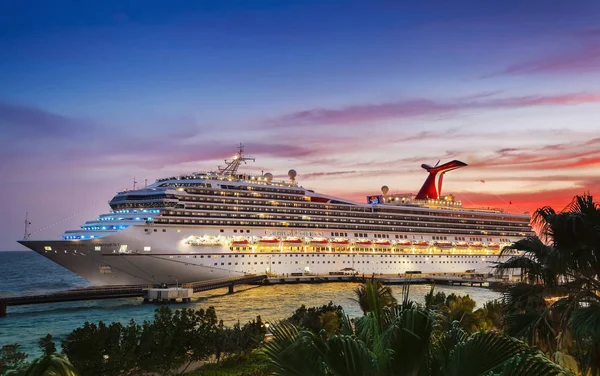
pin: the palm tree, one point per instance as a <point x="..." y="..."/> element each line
<point x="401" y="340"/>
<point x="564" y="261"/>
<point x="373" y="296"/>
<point x="51" y="365"/>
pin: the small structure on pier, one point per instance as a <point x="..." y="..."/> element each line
<point x="168" y="295"/>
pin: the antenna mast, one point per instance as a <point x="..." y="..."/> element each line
<point x="234" y="163"/>
<point x="27" y="223"/>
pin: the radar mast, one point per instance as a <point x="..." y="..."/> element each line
<point x="27" y="223"/>
<point x="234" y="163"/>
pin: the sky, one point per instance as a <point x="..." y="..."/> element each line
<point x="351" y="94"/>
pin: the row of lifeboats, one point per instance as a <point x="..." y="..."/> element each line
<point x="342" y="242"/>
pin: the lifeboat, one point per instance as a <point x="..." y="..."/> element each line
<point x="240" y="242"/>
<point x="383" y="242"/>
<point x="421" y="243"/>
<point x="444" y="244"/>
<point x="476" y="245"/>
<point x="340" y="241"/>
<point x="294" y="241"/>
<point x="493" y="246"/>
<point x="363" y="242"/>
<point x="462" y="245"/>
<point x="403" y="243"/>
<point x="269" y="240"/>
<point x="319" y="241"/>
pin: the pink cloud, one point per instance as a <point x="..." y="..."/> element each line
<point x="581" y="59"/>
<point x="546" y="157"/>
<point x="411" y="108"/>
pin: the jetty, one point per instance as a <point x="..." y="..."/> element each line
<point x="148" y="292"/>
<point x="452" y="279"/>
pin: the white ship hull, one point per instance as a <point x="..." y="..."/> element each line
<point x="162" y="257"/>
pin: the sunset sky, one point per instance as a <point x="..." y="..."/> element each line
<point x="351" y="94"/>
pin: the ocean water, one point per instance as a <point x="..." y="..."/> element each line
<point x="26" y="272"/>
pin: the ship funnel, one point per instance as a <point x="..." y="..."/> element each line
<point x="431" y="190"/>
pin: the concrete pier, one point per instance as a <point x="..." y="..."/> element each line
<point x="453" y="279"/>
<point x="131" y="291"/>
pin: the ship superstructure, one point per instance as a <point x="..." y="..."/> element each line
<point x="218" y="224"/>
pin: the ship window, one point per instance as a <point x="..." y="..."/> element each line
<point x="96" y="248"/>
<point x="147" y="249"/>
<point x="248" y="231"/>
<point x="234" y="230"/>
<point x="47" y="248"/>
<point x="164" y="230"/>
<point x="221" y="230"/>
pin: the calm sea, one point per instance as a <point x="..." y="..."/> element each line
<point x="26" y="272"/>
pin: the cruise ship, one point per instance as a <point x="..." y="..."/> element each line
<point x="211" y="225"/>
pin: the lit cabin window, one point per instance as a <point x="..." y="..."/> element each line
<point x="147" y="249"/>
<point x="47" y="248"/>
<point x="97" y="248"/>
<point x="123" y="248"/>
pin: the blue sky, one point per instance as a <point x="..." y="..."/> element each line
<point x="351" y="94"/>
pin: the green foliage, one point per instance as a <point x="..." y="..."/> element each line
<point x="312" y="318"/>
<point x="168" y="344"/>
<point x="177" y="338"/>
<point x="11" y="358"/>
<point x="492" y="314"/>
<point x="434" y="301"/>
<point x="238" y="340"/>
<point x="532" y="364"/>
<point x="462" y="310"/>
<point x="404" y="340"/>
<point x="565" y="262"/>
<point x="373" y="296"/>
<point x="47" y="345"/>
<point x="50" y="365"/>
<point x="252" y="364"/>
<point x="103" y="350"/>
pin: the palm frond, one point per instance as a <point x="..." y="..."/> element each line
<point x="585" y="328"/>
<point x="404" y="345"/>
<point x="482" y="353"/>
<point x="347" y="356"/>
<point x="531" y="364"/>
<point x="291" y="352"/>
<point x="585" y="323"/>
<point x="51" y="365"/>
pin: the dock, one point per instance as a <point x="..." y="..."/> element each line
<point x="452" y="279"/>
<point x="148" y="292"/>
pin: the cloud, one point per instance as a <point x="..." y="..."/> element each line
<point x="18" y="121"/>
<point x="583" y="57"/>
<point x="546" y="157"/>
<point x="423" y="107"/>
<point x="513" y="202"/>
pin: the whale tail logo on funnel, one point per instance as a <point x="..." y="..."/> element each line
<point x="432" y="189"/>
